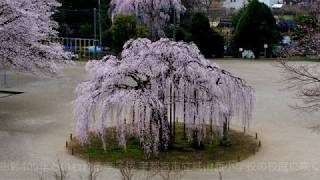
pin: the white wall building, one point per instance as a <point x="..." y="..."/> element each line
<point x="234" y="4"/>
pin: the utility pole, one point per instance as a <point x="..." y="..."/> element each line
<point x="5" y="85"/>
<point x="95" y="32"/>
<point x="174" y="23"/>
<point x="100" y="27"/>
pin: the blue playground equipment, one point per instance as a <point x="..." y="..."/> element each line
<point x="80" y="46"/>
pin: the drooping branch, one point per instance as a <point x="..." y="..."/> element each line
<point x="159" y="83"/>
<point x="155" y="14"/>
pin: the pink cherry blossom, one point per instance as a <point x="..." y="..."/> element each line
<point x="153" y="13"/>
<point x="24" y="26"/>
<point x="134" y="93"/>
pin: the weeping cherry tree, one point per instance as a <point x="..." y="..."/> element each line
<point x="154" y="85"/>
<point x="155" y="14"/>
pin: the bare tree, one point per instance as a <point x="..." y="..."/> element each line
<point x="171" y="174"/>
<point x="220" y="175"/>
<point x="60" y="173"/>
<point x="41" y="174"/>
<point x="127" y="171"/>
<point x="147" y="175"/>
<point x="306" y="80"/>
<point x="93" y="172"/>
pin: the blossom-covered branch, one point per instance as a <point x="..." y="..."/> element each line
<point x="135" y="93"/>
<point x="24" y="26"/>
<point x="153" y="13"/>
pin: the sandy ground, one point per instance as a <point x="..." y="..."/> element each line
<point x="35" y="125"/>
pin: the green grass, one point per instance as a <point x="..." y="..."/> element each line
<point x="242" y="146"/>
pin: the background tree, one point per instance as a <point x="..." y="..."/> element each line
<point x="305" y="23"/>
<point x="210" y="42"/>
<point x="183" y="34"/>
<point x="236" y="17"/>
<point x="142" y="32"/>
<point x="255" y="28"/>
<point x="190" y="5"/>
<point x="306" y="35"/>
<point x="198" y="30"/>
<point x="202" y="6"/>
<point x="76" y="17"/>
<point x="312" y="8"/>
<point x="155" y="14"/>
<point x="150" y="86"/>
<point x="125" y="27"/>
<point x="24" y="27"/>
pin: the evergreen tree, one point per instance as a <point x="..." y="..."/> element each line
<point x="76" y="17"/>
<point x="125" y="27"/>
<point x="256" y="27"/>
<point x="210" y="42"/>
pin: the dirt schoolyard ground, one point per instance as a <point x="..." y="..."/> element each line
<point x="35" y="125"/>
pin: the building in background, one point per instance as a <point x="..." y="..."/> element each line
<point x="234" y="4"/>
<point x="237" y="4"/>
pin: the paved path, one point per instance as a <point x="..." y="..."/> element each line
<point x="35" y="125"/>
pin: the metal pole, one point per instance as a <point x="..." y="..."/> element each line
<point x="95" y="31"/>
<point x="5" y="78"/>
<point x="100" y="27"/>
<point x="174" y="23"/>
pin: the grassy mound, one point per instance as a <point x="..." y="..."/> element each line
<point x="241" y="147"/>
